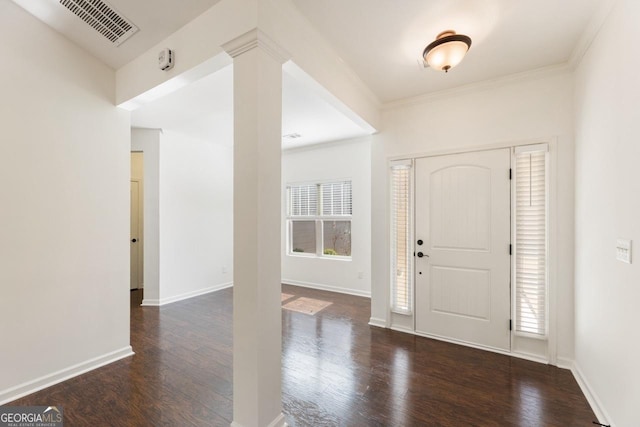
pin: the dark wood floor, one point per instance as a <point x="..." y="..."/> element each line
<point x="337" y="371"/>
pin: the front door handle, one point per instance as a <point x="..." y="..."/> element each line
<point x="420" y="255"/>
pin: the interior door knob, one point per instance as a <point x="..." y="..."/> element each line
<point x="420" y="255"/>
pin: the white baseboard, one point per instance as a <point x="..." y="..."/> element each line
<point x="329" y="288"/>
<point x="380" y="323"/>
<point x="163" y="301"/>
<point x="37" y="384"/>
<point x="592" y="397"/>
<point x="147" y="302"/>
<point x="565" y="363"/>
<point x="530" y="357"/>
<point x="405" y="330"/>
<point x="278" y="422"/>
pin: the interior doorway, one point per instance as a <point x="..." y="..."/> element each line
<point x="462" y="232"/>
<point x="137" y="221"/>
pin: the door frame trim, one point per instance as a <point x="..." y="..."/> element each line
<point x="464" y="150"/>
<point x="395" y="320"/>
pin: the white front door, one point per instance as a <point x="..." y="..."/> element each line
<point x="462" y="217"/>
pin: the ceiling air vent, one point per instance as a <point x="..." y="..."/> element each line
<point x="103" y="18"/>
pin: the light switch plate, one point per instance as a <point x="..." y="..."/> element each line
<point x="623" y="250"/>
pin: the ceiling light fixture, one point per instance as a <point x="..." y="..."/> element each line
<point x="446" y="51"/>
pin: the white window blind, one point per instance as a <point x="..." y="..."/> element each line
<point x="531" y="241"/>
<point x="303" y="200"/>
<point x="401" y="272"/>
<point x="319" y="219"/>
<point x="336" y="198"/>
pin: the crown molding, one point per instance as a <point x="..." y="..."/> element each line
<point x="254" y="39"/>
<point x="530" y="75"/>
<point x="591" y="31"/>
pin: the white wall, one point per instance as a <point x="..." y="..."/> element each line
<point x="333" y="161"/>
<point x="533" y="108"/>
<point x="607" y="208"/>
<point x="64" y="215"/>
<point x="196" y="216"/>
<point x="188" y="214"/>
<point x="148" y="141"/>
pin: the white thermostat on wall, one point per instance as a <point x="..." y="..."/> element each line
<point x="165" y="59"/>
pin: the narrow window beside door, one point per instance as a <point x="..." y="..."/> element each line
<point x="401" y="257"/>
<point x="531" y="239"/>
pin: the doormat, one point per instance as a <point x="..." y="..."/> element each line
<point x="307" y="305"/>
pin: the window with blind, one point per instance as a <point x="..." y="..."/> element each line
<point x="531" y="239"/>
<point x="319" y="219"/>
<point x="401" y="257"/>
<point x="303" y="200"/>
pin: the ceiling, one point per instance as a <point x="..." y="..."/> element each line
<point x="204" y="109"/>
<point x="156" y="19"/>
<point x="382" y="40"/>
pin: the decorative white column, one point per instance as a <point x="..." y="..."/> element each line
<point x="257" y="330"/>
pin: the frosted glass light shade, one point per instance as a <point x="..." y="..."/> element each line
<point x="447" y="50"/>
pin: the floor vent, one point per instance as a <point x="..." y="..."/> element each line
<point x="103" y="18"/>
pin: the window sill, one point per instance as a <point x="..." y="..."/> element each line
<point x="314" y="256"/>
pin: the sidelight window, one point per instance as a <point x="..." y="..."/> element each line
<point x="401" y="256"/>
<point x="531" y="239"/>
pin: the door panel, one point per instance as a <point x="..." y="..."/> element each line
<point x="135" y="235"/>
<point x="460" y="206"/>
<point x="463" y="216"/>
<point x="461" y="291"/>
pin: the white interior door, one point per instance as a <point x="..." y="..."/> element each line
<point x="135" y="235"/>
<point x="463" y="219"/>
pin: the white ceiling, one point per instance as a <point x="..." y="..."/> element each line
<point x="156" y="19"/>
<point x="383" y="39"/>
<point x="204" y="109"/>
